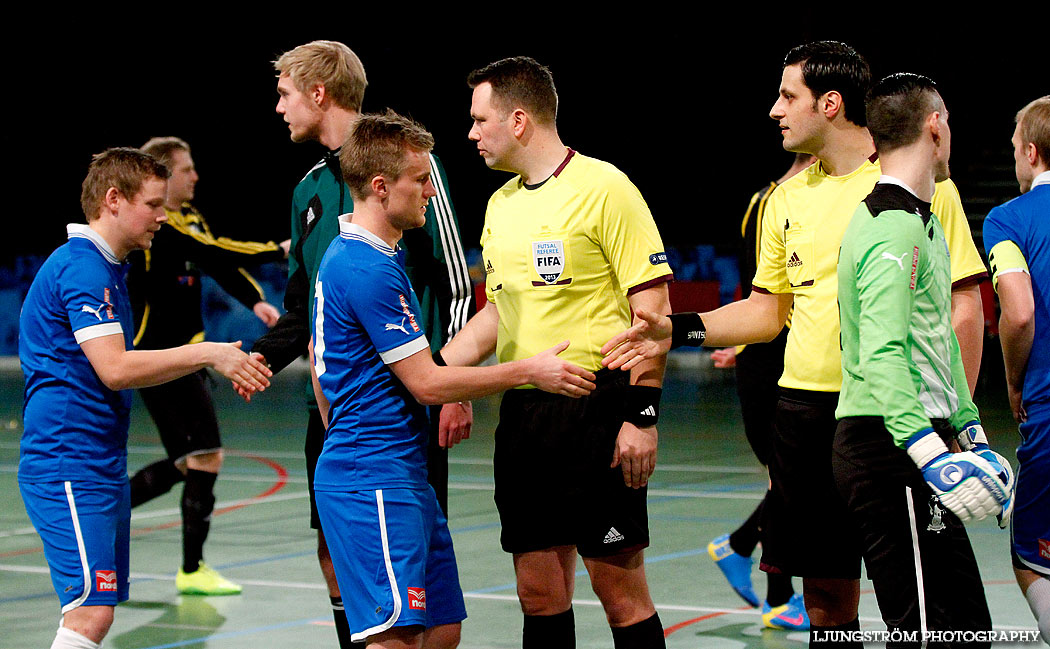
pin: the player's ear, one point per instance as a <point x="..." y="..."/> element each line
<point x="933" y="125"/>
<point x="519" y="119"/>
<point x="111" y="200"/>
<point x="830" y="104"/>
<point x="318" y="94"/>
<point x="379" y="187"/>
<point x="1032" y="153"/>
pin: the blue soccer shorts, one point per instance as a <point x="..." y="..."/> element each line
<point x="86" y="529"/>
<point x="393" y="557"/>
<point x="1030" y="524"/>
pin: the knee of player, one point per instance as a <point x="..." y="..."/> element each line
<point x="92" y="622"/>
<point x="443" y="636"/>
<point x="623" y="608"/>
<point x="539" y="598"/>
<point x="210" y="462"/>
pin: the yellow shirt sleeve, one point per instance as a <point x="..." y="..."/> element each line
<point x="629" y="237"/>
<point x="771" y="273"/>
<point x="966" y="261"/>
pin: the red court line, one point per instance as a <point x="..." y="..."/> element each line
<point x="282" y="480"/>
<point x="681" y="625"/>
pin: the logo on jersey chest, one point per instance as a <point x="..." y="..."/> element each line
<point x="548" y="258"/>
<point x="1044" y="549"/>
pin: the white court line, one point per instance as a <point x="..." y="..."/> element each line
<point x="683" y="468"/>
<point x="484" y="596"/>
<point x="670" y="493"/>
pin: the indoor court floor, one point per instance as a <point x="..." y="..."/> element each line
<point x="706" y="483"/>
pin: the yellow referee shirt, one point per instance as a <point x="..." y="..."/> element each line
<point x="561" y="258"/>
<point x="802" y="230"/>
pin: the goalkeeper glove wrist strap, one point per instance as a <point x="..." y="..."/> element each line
<point x="925" y="446"/>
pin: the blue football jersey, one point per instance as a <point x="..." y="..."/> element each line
<point x="75" y="427"/>
<point x="1023" y="220"/>
<point x="366" y="316"/>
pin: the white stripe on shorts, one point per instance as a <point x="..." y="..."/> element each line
<point x="80" y="548"/>
<point x="918" y="564"/>
<point x="359" y="637"/>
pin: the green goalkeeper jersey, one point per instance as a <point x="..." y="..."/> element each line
<point x="900" y="358"/>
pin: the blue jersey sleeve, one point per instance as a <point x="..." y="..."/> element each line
<point x="388" y="311"/>
<point x="999" y="226"/>
<point x="91" y="299"/>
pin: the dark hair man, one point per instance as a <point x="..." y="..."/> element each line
<point x="802" y="231"/>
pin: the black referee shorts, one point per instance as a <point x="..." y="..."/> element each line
<point x="803" y="518"/>
<point x="185" y="416"/>
<point x="917" y="553"/>
<point x="554" y="485"/>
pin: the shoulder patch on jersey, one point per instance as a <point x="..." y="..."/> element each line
<point x="408" y="314"/>
<point x="658" y="258"/>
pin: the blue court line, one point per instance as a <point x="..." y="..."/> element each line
<point x="23" y="598"/>
<point x="581" y="573"/>
<point x="237" y="634"/>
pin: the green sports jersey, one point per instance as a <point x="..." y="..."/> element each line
<point x="900" y="358"/>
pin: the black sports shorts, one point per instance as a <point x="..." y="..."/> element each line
<point x="804" y="518"/>
<point x="185" y="416"/>
<point x="554" y="485"/>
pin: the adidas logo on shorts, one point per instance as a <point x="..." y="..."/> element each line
<point x="613" y="536"/>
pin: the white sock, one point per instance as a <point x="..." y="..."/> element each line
<point x="70" y="639"/>
<point x="1038" y="596"/>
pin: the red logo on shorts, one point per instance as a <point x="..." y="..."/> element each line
<point x="106" y="580"/>
<point x="417" y="598"/>
<point x="1044" y="548"/>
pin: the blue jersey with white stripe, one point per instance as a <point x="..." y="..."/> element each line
<point x="1024" y="220"/>
<point x="75" y="427"/>
<point x="366" y="316"/>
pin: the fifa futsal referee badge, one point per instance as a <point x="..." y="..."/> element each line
<point x="548" y="258"/>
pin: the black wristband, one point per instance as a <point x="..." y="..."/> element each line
<point x="439" y="360"/>
<point x="687" y="329"/>
<point x="643" y="405"/>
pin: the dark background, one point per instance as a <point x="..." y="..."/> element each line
<point x="679" y="102"/>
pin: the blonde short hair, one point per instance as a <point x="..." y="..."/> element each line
<point x="1035" y="126"/>
<point x="376" y="146"/>
<point x="330" y="64"/>
<point x="162" y="148"/>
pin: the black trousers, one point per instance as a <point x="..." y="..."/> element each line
<point x="917" y="553"/>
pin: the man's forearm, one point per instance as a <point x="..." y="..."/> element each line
<point x="968" y="324"/>
<point x="1017" y="340"/>
<point x="476" y="341"/>
<point x="757" y="319"/>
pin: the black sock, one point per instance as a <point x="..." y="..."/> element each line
<point x="778" y="588"/>
<point x="818" y="638"/>
<point x="154" y="480"/>
<point x="647" y="634"/>
<point x="549" y="631"/>
<point x="342" y="627"/>
<point x="198" y="501"/>
<point x="747" y="536"/>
